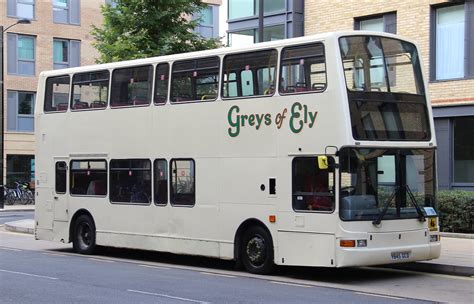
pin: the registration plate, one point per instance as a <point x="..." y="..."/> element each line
<point x="400" y="255"/>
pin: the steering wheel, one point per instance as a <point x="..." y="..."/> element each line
<point x="348" y="189"/>
<point x="318" y="86"/>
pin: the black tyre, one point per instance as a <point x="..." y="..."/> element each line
<point x="83" y="239"/>
<point x="257" y="250"/>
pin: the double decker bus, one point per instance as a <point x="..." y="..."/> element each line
<point x="313" y="151"/>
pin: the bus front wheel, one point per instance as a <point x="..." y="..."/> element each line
<point x="84" y="235"/>
<point x="257" y="250"/>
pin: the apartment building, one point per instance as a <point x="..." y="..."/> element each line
<point x="57" y="37"/>
<point x="444" y="31"/>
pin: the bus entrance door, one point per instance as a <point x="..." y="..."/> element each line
<point x="60" y="202"/>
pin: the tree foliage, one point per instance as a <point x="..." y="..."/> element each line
<point x="144" y="28"/>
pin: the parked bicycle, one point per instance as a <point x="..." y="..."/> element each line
<point x="20" y="194"/>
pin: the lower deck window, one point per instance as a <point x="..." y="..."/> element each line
<point x="313" y="185"/>
<point x="130" y="181"/>
<point x="88" y="177"/>
<point x="183" y="182"/>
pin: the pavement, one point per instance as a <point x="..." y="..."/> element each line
<point x="457" y="250"/>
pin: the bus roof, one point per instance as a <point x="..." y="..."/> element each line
<point x="216" y="52"/>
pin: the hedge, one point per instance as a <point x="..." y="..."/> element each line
<point x="456" y="211"/>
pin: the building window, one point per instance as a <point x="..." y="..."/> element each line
<point x="20" y="168"/>
<point x="131" y="86"/>
<point x="24" y="9"/>
<point x="247" y="37"/>
<point x="130" y="181"/>
<point x="88" y="177"/>
<point x="66" y="11"/>
<point x="450" y="38"/>
<point x="380" y="23"/>
<point x="208" y="20"/>
<point x="183" y="183"/>
<point x="463" y="142"/>
<point x="249" y="8"/>
<point x="20" y="111"/>
<point x="66" y="53"/>
<point x="21" y="55"/>
<point x="90" y="90"/>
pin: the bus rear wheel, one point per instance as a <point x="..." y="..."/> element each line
<point x="83" y="240"/>
<point x="257" y="251"/>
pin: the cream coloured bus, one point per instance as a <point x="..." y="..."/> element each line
<point x="313" y="151"/>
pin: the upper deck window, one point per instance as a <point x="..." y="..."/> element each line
<point x="249" y="74"/>
<point x="194" y="80"/>
<point x="303" y="69"/>
<point x="378" y="64"/>
<point x="161" y="83"/>
<point x="57" y="94"/>
<point x="131" y="86"/>
<point x="90" y="90"/>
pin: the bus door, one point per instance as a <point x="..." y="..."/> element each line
<point x="60" y="197"/>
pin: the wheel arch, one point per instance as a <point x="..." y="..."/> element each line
<point x="240" y="232"/>
<point x="74" y="218"/>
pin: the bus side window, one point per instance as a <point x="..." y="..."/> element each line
<point x="161" y="83"/>
<point x="131" y="86"/>
<point x="130" y="181"/>
<point x="57" y="94"/>
<point x="249" y="74"/>
<point x="88" y="177"/>
<point x="183" y="183"/>
<point x="160" y="180"/>
<point x="195" y="80"/>
<point x="90" y="90"/>
<point x="60" y="177"/>
<point x="303" y="69"/>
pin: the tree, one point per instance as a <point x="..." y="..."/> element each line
<point x="145" y="28"/>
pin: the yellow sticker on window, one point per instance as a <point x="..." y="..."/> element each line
<point x="323" y="162"/>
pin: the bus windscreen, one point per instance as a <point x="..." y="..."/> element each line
<point x="384" y="88"/>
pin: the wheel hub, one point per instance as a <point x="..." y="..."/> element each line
<point x="256" y="250"/>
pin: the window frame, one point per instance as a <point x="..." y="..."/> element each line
<point x="46" y="92"/>
<point x="25" y="2"/>
<point x="168" y="84"/>
<point x="151" y="82"/>
<point x="171" y="188"/>
<point x="468" y="42"/>
<point x="331" y="169"/>
<point x="155" y="161"/>
<point x="17" y="55"/>
<point x="88" y="160"/>
<point x="18" y="115"/>
<point x="388" y="27"/>
<point x="68" y="43"/>
<point x="276" y="86"/>
<point x="109" y="175"/>
<point x="71" y="95"/>
<point x="171" y="78"/>
<point x="56" y="176"/>
<point x="280" y="70"/>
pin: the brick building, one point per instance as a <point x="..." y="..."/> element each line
<point x="444" y="31"/>
<point x="57" y="37"/>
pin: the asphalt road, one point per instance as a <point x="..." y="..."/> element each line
<point x="45" y="272"/>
